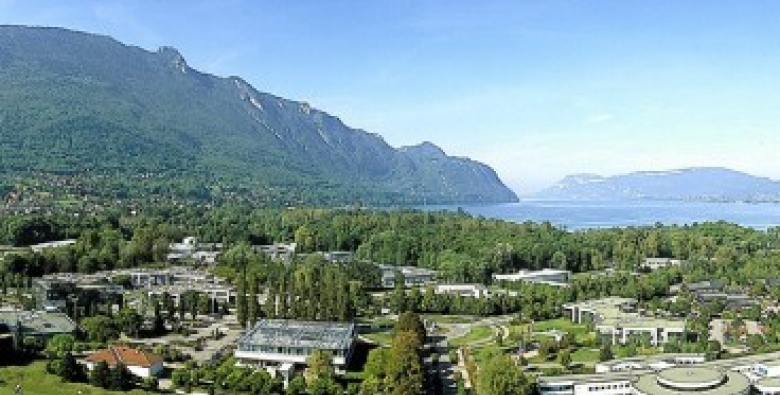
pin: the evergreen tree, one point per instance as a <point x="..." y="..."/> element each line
<point x="70" y="370"/>
<point x="605" y="353"/>
<point x="241" y="299"/>
<point x="405" y="374"/>
<point x="411" y="322"/>
<point x="99" y="376"/>
<point x="120" y="379"/>
<point x="398" y="297"/>
<point x="253" y="307"/>
<point x="159" y="321"/>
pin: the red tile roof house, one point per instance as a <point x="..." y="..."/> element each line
<point x="138" y="362"/>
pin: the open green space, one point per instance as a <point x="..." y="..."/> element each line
<point x="381" y="338"/>
<point x="585" y="355"/>
<point x="482" y="354"/>
<point x="451" y="319"/>
<point x="475" y="334"/>
<point x="35" y="381"/>
<point x="582" y="334"/>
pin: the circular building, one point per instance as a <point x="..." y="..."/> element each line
<point x="693" y="379"/>
<point x="768" y="386"/>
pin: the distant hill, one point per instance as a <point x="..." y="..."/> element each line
<point x="706" y="183"/>
<point x="110" y="116"/>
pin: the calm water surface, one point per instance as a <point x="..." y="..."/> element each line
<point x="584" y="214"/>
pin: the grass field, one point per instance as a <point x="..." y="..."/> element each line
<point x="451" y="319"/>
<point x="585" y="355"/>
<point x="482" y="354"/>
<point x="35" y="381"/>
<point x="381" y="338"/>
<point x="477" y="333"/>
<point x="581" y="332"/>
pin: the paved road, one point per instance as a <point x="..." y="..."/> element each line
<point x="455" y="330"/>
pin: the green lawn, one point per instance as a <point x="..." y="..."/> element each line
<point x="482" y="354"/>
<point x="477" y="333"/>
<point x="585" y="355"/>
<point x="35" y="381"/>
<point x="381" y="338"/>
<point x="451" y="319"/>
<point x="580" y="332"/>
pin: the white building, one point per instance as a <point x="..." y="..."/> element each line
<point x="651" y="362"/>
<point x="140" y="363"/>
<point x="556" y="277"/>
<point x="52" y="244"/>
<point x="658" y="263"/>
<point x="468" y="290"/>
<point x="616" y="321"/>
<point x="757" y="374"/>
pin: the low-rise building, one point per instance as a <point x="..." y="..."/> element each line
<point x="413" y="276"/>
<point x="52" y="244"/>
<point x="191" y="249"/>
<point x="617" y="322"/>
<point x="339" y="256"/>
<point x="554" y="277"/>
<point x="284" y="252"/>
<point x="287" y="344"/>
<point x="658" y="263"/>
<point x="219" y="294"/>
<point x="36" y="323"/>
<point x="140" y="363"/>
<point x="467" y="290"/>
<point x="731" y="301"/>
<point x="52" y="292"/>
<point x="757" y="374"/>
<point x="705" y="286"/>
<point x="650" y="362"/>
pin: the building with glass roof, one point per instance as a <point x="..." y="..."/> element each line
<point x="278" y="343"/>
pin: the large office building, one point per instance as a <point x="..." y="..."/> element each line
<point x="617" y="322"/>
<point x="741" y="376"/>
<point x="287" y="344"/>
<point x="555" y="277"/>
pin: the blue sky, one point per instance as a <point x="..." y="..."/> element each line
<point x="536" y="89"/>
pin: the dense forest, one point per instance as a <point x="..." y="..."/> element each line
<point x="463" y="248"/>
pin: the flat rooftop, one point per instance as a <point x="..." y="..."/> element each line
<point x="721" y="364"/>
<point x="303" y="334"/>
<point x="610" y="314"/>
<point x="41" y="323"/>
<point x="701" y="380"/>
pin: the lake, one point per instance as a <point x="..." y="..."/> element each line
<point x="575" y="215"/>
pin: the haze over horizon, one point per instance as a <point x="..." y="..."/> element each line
<point x="538" y="90"/>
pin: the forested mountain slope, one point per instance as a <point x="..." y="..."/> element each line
<point x="701" y="183"/>
<point x="120" y="120"/>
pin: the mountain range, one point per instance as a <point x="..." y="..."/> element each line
<point x="87" y="107"/>
<point x="702" y="183"/>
